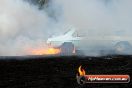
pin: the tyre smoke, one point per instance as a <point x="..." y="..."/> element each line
<point x="24" y="26"/>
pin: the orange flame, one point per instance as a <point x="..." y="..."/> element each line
<point x="81" y="71"/>
<point x="48" y="51"/>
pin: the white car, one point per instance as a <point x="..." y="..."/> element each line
<point x="91" y="45"/>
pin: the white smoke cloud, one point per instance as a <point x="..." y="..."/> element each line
<point x="99" y="19"/>
<point x="23" y="26"/>
<point x="102" y="16"/>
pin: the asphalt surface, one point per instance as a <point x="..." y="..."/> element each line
<point x="60" y="72"/>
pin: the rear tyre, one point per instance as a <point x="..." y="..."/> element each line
<point x="67" y="48"/>
<point x="123" y="47"/>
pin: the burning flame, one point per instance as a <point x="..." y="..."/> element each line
<point x="81" y="71"/>
<point x="48" y="51"/>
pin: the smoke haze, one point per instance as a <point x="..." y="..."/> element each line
<point x="24" y="26"/>
<point x="103" y="17"/>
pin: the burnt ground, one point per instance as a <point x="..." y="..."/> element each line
<point x="60" y="72"/>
